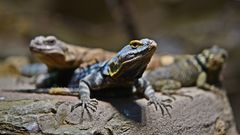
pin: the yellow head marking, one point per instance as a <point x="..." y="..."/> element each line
<point x="135" y="43"/>
<point x="114" y="68"/>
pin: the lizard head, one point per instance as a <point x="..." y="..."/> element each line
<point x="132" y="60"/>
<point x="47" y="45"/>
<point x="48" y="50"/>
<point x="213" y="58"/>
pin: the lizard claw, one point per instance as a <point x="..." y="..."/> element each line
<point x="161" y="104"/>
<point x="86" y="104"/>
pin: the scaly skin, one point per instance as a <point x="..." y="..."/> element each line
<point x="202" y="70"/>
<point x="123" y="71"/>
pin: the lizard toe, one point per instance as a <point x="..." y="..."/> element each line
<point x="162" y="105"/>
<point x="166" y="108"/>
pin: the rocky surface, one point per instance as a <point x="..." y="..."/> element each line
<point x="206" y="113"/>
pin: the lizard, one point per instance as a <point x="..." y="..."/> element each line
<point x="122" y="71"/>
<point x="202" y="70"/>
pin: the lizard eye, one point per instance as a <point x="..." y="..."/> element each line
<point x="51" y="41"/>
<point x="135" y="43"/>
<point x="224" y="54"/>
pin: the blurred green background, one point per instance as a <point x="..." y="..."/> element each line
<point x="179" y="26"/>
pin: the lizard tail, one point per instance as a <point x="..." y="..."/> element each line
<point x="53" y="91"/>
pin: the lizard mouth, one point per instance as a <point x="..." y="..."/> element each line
<point x="45" y="49"/>
<point x="142" y="57"/>
<point x="215" y="64"/>
<point x="39" y="49"/>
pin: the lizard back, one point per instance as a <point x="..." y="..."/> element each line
<point x="185" y="71"/>
<point x="82" y="72"/>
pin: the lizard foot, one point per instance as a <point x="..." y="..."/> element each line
<point x="178" y="94"/>
<point x="172" y="94"/>
<point x="217" y="91"/>
<point x="161" y="104"/>
<point x="87" y="104"/>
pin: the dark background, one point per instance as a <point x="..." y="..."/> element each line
<point x="178" y="26"/>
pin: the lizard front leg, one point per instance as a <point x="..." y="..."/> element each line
<point x="144" y="87"/>
<point x="202" y="83"/>
<point x="85" y="101"/>
<point x="93" y="81"/>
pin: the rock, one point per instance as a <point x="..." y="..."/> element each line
<point x="206" y="113"/>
